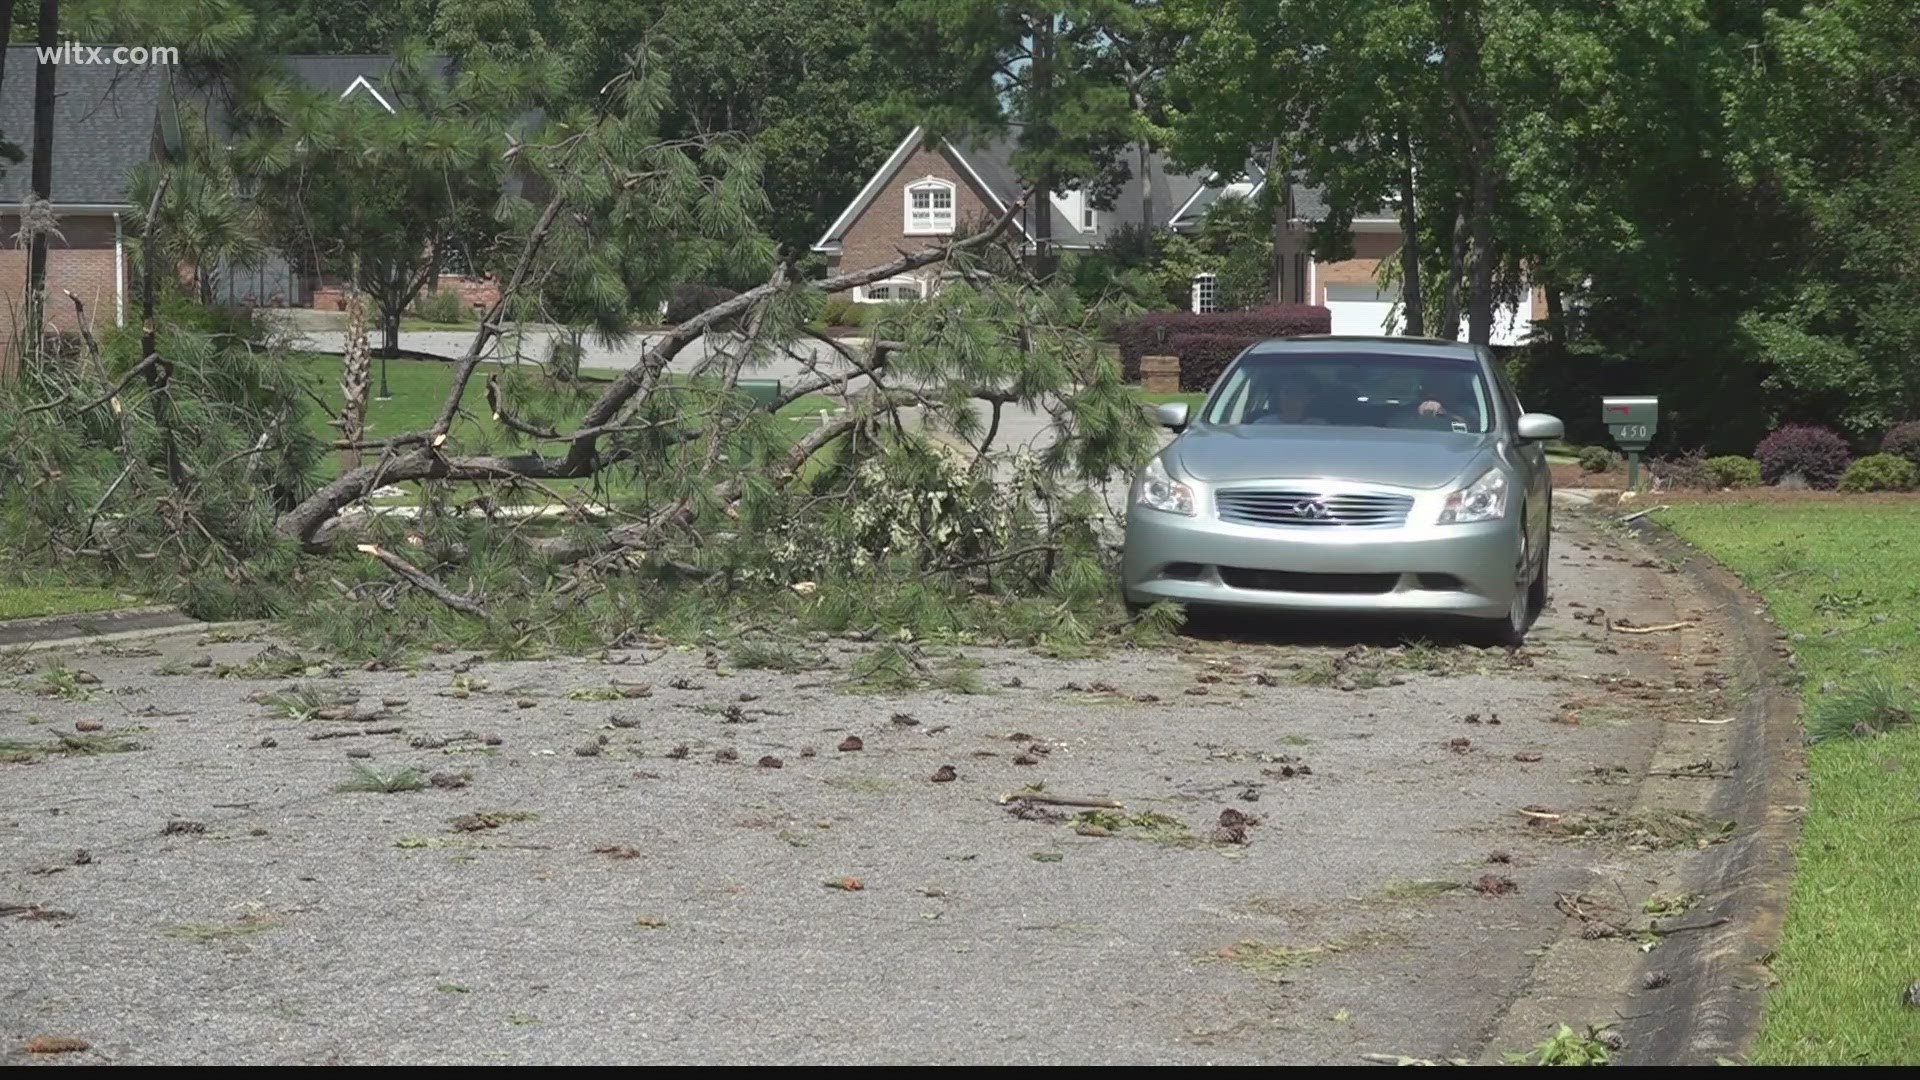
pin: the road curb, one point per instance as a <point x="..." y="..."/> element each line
<point x="91" y="627"/>
<point x="1710" y="1008"/>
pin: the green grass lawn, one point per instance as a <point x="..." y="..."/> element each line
<point x="1846" y="575"/>
<point x="22" y="601"/>
<point x="419" y="386"/>
<point x="1192" y="400"/>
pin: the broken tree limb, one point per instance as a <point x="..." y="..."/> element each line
<point x="1094" y="801"/>
<point x="490" y="324"/>
<point x="424" y="581"/>
<point x="1644" y="513"/>
<point x="582" y="459"/>
<point x="1661" y="629"/>
<point x="644" y="374"/>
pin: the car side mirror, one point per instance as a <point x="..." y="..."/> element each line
<point x="1539" y="427"/>
<point x="1174" y="415"/>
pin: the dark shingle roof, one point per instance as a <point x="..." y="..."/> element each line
<point x="993" y="161"/>
<point x="338" y="72"/>
<point x="102" y="127"/>
<point x="1309" y="203"/>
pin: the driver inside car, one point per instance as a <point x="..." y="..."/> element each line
<point x="1290" y="400"/>
<point x="1441" y="401"/>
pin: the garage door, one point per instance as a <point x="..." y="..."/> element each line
<point x="1363" y="309"/>
<point x="1366" y="309"/>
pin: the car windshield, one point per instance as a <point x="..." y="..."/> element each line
<point x="1431" y="393"/>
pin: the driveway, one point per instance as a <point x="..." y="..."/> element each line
<point x="1322" y="849"/>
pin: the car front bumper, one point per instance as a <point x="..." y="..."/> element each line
<point x="1409" y="570"/>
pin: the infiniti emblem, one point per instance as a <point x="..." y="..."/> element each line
<point x="1311" y="509"/>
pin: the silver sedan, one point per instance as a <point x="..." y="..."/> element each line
<point x="1391" y="476"/>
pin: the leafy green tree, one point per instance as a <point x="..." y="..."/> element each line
<point x="341" y="26"/>
<point x="205" y="220"/>
<point x="1041" y="67"/>
<point x="401" y="196"/>
<point x="801" y="80"/>
<point x="1832" y="114"/>
<point x="9" y="151"/>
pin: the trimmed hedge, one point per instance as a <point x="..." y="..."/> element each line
<point x="1204" y="356"/>
<point x="1903" y="440"/>
<point x="1596" y="459"/>
<point x="1208" y="336"/>
<point x="1733" y="471"/>
<point x="1816" y="454"/>
<point x="690" y="298"/>
<point x="1880" y="472"/>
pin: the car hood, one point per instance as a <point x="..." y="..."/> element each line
<point x="1414" y="459"/>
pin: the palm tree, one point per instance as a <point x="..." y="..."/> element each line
<point x="206" y="219"/>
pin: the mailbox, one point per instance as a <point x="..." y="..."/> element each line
<point x="1631" y="420"/>
<point x="760" y="391"/>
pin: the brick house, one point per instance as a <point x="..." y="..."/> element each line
<point x="104" y="121"/>
<point x="924" y="191"/>
<point x="102" y="128"/>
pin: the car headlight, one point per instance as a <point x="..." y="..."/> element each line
<point x="1156" y="489"/>
<point x="1483" y="500"/>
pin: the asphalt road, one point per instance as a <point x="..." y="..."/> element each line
<point x="637" y="903"/>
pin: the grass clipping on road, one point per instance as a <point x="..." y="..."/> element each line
<point x="1843" y="580"/>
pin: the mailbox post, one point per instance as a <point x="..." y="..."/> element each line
<point x="1632" y="421"/>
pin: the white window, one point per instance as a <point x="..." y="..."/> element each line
<point x="1077" y="209"/>
<point x="902" y="288"/>
<point x="1206" y="294"/>
<point x="929" y="207"/>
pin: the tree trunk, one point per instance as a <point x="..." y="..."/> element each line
<point x="1480" y="305"/>
<point x="1146" y="181"/>
<point x="1456" y="270"/>
<point x="390" y="331"/>
<point x="6" y="36"/>
<point x="356" y="373"/>
<point x="1040" y="124"/>
<point x="1556" y="321"/>
<point x="160" y="372"/>
<point x="1413" y="314"/>
<point x="1288" y="286"/>
<point x="42" y="178"/>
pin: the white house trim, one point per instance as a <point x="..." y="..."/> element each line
<point x="981" y="185"/>
<point x="360" y="83"/>
<point x="874" y="183"/>
<point x="119" y="272"/>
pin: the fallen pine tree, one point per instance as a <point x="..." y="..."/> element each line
<point x="679" y="502"/>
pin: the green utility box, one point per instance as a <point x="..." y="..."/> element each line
<point x="762" y="391"/>
<point x="1632" y="421"/>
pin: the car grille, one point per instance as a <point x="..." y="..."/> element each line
<point x="1289" y="581"/>
<point x="1308" y="508"/>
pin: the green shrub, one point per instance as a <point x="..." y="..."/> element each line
<point x="441" y="307"/>
<point x="1880" y="472"/>
<point x="1903" y="440"/>
<point x="1733" y="471"/>
<point x="841" y="310"/>
<point x="1596" y="459"/>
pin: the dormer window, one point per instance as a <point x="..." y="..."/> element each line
<point x="1077" y="209"/>
<point x="930" y="207"/>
